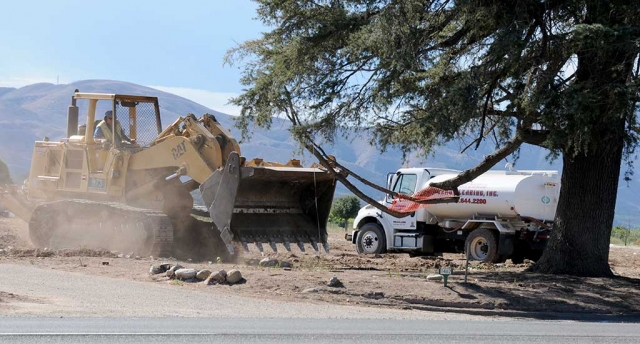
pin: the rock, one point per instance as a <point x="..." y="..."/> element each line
<point x="434" y="277"/>
<point x="268" y="262"/>
<point x="217" y="277"/>
<point x="203" y="274"/>
<point x="499" y="265"/>
<point x="121" y="255"/>
<point x="128" y="256"/>
<point x="157" y="269"/>
<point x="137" y="258"/>
<point x="285" y="264"/>
<point x="185" y="274"/>
<point x="234" y="276"/>
<point x="334" y="282"/>
<point x="373" y="295"/>
<point x="165" y="266"/>
<point x="189" y="260"/>
<point x="311" y="290"/>
<point x="1" y="251"/>
<point x="529" y="261"/>
<point x="172" y="270"/>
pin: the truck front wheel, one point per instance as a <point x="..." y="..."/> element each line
<point x="371" y="239"/>
<point x="482" y="245"/>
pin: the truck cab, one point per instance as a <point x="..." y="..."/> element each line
<point x="499" y="215"/>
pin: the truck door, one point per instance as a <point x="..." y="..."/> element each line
<point x="406" y="184"/>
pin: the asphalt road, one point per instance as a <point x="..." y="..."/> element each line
<point x="50" y="306"/>
<point x="196" y="330"/>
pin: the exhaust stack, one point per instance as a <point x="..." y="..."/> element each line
<point x="72" y="118"/>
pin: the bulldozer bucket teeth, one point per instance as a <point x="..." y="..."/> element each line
<point x="270" y="205"/>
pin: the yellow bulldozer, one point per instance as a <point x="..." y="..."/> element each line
<point x="132" y="191"/>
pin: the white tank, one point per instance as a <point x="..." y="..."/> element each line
<point x="503" y="193"/>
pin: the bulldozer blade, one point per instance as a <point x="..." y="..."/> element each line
<point x="219" y="193"/>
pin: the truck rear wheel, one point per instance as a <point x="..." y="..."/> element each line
<point x="482" y="245"/>
<point x="371" y="239"/>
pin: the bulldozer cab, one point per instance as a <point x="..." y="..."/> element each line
<point x="137" y="117"/>
<point x="82" y="163"/>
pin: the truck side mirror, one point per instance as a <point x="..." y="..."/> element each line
<point x="387" y="197"/>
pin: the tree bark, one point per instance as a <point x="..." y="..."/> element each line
<point x="579" y="242"/>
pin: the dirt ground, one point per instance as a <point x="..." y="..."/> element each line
<point x="390" y="280"/>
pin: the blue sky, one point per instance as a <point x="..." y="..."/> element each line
<point x="174" y="46"/>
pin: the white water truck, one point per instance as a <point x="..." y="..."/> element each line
<point x="500" y="215"/>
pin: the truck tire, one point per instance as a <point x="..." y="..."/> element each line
<point x="482" y="245"/>
<point x="371" y="239"/>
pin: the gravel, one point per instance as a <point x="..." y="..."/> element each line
<point x="74" y="294"/>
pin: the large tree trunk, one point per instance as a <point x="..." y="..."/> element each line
<point x="579" y="243"/>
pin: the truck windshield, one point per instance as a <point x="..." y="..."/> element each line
<point x="406" y="184"/>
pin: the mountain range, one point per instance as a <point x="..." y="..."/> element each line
<point x="32" y="112"/>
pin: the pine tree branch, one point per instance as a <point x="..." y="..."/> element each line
<point x="486" y="164"/>
<point x="322" y="157"/>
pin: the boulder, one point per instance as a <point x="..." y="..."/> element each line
<point x="234" y="276"/>
<point x="172" y="270"/>
<point x="268" y="262"/>
<point x="156" y="269"/>
<point x="217" y="277"/>
<point x="203" y="274"/>
<point x="185" y="274"/>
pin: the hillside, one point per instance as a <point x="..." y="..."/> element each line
<point x="32" y="112"/>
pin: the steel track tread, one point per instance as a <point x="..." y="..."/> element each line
<point x="155" y="223"/>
